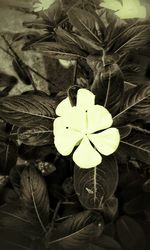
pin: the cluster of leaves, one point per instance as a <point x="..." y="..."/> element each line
<point x="45" y="201"/>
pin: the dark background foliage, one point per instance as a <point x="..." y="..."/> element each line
<point x="45" y="201"/>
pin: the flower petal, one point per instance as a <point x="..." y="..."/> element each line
<point x="85" y="156"/>
<point x="85" y="99"/>
<point x="98" y="118"/>
<point x="107" y="141"/>
<point x="63" y="107"/>
<point x="65" y="139"/>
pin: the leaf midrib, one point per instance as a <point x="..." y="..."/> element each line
<point x="135" y="146"/>
<point x="70" y="235"/>
<point x="131" y="106"/>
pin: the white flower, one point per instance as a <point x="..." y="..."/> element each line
<point x="42" y="5"/>
<point x="129" y="8"/>
<point x="77" y="126"/>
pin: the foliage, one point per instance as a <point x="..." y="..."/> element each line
<point x="45" y="201"/>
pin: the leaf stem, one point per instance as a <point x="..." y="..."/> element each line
<point x="75" y="72"/>
<point x="108" y="89"/>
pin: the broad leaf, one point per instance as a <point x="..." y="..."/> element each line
<point x="22" y="71"/>
<point x="8" y="154"/>
<point x="138" y="204"/>
<point x="91" y="185"/>
<point x="27" y="110"/>
<point x="86" y="23"/>
<point x="15" y="176"/>
<point x="76" y="231"/>
<point x="77" y="41"/>
<point x="107" y="242"/>
<point x="34" y="196"/>
<point x="7" y="80"/>
<point x="110" y="208"/>
<point x="54" y="14"/>
<point x="113" y="26"/>
<point x="58" y="51"/>
<point x="137" y="145"/>
<point x="108" y="83"/>
<point x="11" y="240"/>
<point x="29" y="153"/>
<point x="14" y="217"/>
<point x="130" y="234"/>
<point x="124" y="131"/>
<point x="37" y="136"/>
<point x="135" y="105"/>
<point x="134" y="36"/>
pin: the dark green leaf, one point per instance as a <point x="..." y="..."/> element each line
<point x="22" y="71"/>
<point x="91" y="184"/>
<point x="27" y="110"/>
<point x="54" y="14"/>
<point x="11" y="240"/>
<point x="125" y="131"/>
<point x="107" y="242"/>
<point x="138" y="204"/>
<point x="77" y="41"/>
<point x="7" y="80"/>
<point x="110" y="208"/>
<point x="8" y="154"/>
<point x="135" y="105"/>
<point x="108" y="83"/>
<point x="29" y="153"/>
<point x="58" y="51"/>
<point x="14" y="217"/>
<point x="77" y="230"/>
<point x="86" y="23"/>
<point x="37" y="136"/>
<point x="134" y="36"/>
<point x="130" y="234"/>
<point x="15" y="176"/>
<point x="137" y="145"/>
<point x="34" y="196"/>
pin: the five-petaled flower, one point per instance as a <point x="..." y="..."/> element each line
<point x="42" y="5"/>
<point x="87" y="127"/>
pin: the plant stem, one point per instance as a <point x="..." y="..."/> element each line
<point x="75" y="72"/>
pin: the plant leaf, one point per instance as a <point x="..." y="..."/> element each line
<point x="137" y="145"/>
<point x="35" y="197"/>
<point x="7" y="80"/>
<point x="135" y="36"/>
<point x="22" y="71"/>
<point x="58" y="51"/>
<point x="76" y="231"/>
<point x="14" y="217"/>
<point x="27" y="110"/>
<point x="106" y="242"/>
<point x="28" y="153"/>
<point x="130" y="234"/>
<point x="91" y="185"/>
<point x="11" y="240"/>
<point x="86" y="23"/>
<point x="75" y="40"/>
<point x="8" y="154"/>
<point x="135" y="106"/>
<point x="37" y="136"/>
<point x="110" y="208"/>
<point x="15" y="176"/>
<point x="108" y="83"/>
<point x="138" y="204"/>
